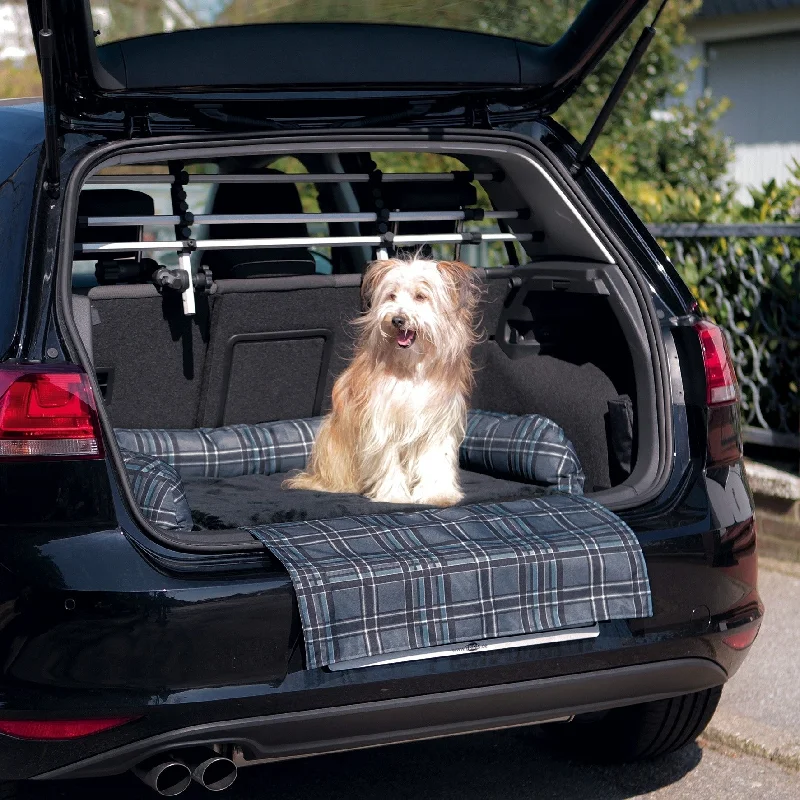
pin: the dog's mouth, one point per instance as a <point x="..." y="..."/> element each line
<point x="406" y="337"/>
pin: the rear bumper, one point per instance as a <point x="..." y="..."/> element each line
<point x="212" y="660"/>
<point x="306" y="733"/>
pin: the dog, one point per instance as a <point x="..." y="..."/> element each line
<point x="399" y="409"/>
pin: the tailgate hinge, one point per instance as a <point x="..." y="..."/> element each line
<point x="480" y="116"/>
<point x="137" y="124"/>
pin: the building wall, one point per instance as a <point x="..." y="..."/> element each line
<point x="754" y="61"/>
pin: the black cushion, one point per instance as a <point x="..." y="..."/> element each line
<point x="428" y="196"/>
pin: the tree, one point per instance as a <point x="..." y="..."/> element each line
<point x="663" y="153"/>
<point x="20" y="78"/>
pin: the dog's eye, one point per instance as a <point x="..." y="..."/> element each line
<point x="420" y="298"/>
<point x="393" y="297"/>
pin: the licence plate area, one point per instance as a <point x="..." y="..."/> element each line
<point x="480" y="646"/>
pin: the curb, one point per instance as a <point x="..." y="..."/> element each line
<point x="753" y="738"/>
<point x="772" y="482"/>
<point x="776" y="494"/>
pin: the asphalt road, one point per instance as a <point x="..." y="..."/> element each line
<point x="504" y="765"/>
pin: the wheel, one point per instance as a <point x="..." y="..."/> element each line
<point x="640" y="732"/>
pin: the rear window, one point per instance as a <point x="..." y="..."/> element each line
<point x="541" y="21"/>
<point x="239" y="200"/>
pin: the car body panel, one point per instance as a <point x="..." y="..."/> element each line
<point x="263" y="739"/>
<point x="167" y="71"/>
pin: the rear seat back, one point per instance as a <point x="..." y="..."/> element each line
<point x="148" y="356"/>
<point x="277" y="345"/>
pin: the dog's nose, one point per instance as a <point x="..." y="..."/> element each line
<point x="399" y="322"/>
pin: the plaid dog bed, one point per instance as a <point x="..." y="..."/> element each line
<point x="530" y="448"/>
<point x="228" y="452"/>
<point x="158" y="491"/>
<point x="388" y="583"/>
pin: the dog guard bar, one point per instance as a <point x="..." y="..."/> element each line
<point x="234" y="219"/>
<point x="325" y="177"/>
<point x="467" y="237"/>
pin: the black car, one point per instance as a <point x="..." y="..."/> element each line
<point x="184" y="222"/>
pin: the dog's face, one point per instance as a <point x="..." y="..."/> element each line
<point x="419" y="307"/>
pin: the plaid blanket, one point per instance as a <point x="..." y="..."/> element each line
<point x="388" y="583"/>
<point x="530" y="448"/>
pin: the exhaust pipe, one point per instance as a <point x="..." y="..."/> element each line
<point x="166" y="775"/>
<point x="211" y="770"/>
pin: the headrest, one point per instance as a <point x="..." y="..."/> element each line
<point x="112" y="203"/>
<point x="257" y="198"/>
<point x="273" y="269"/>
<point x="428" y="196"/>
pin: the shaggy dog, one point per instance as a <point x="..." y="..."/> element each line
<point x="399" y="410"/>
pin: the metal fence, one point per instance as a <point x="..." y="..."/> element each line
<point x="747" y="277"/>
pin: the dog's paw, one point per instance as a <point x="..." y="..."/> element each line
<point x="390" y="497"/>
<point x="441" y="499"/>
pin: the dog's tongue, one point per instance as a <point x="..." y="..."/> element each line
<point x="406" y="337"/>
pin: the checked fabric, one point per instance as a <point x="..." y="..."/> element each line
<point x="389" y="583"/>
<point x="158" y="490"/>
<point x="530" y="448"/>
<point x="227" y="452"/>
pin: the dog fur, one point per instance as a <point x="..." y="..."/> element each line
<point x="399" y="410"/>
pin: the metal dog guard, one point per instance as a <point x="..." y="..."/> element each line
<point x="468" y="214"/>
<point x="182" y="219"/>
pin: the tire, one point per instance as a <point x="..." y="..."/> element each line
<point x="640" y="732"/>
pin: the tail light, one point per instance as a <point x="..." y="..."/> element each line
<point x="742" y="639"/>
<point x="721" y="385"/>
<point x="722" y="397"/>
<point x="46" y="412"/>
<point x="47" y="730"/>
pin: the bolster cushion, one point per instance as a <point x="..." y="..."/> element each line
<point x="529" y="448"/>
<point x="228" y="452"/>
<point x="158" y="491"/>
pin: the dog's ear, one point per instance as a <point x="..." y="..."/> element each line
<point x="463" y="282"/>
<point x="374" y="274"/>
